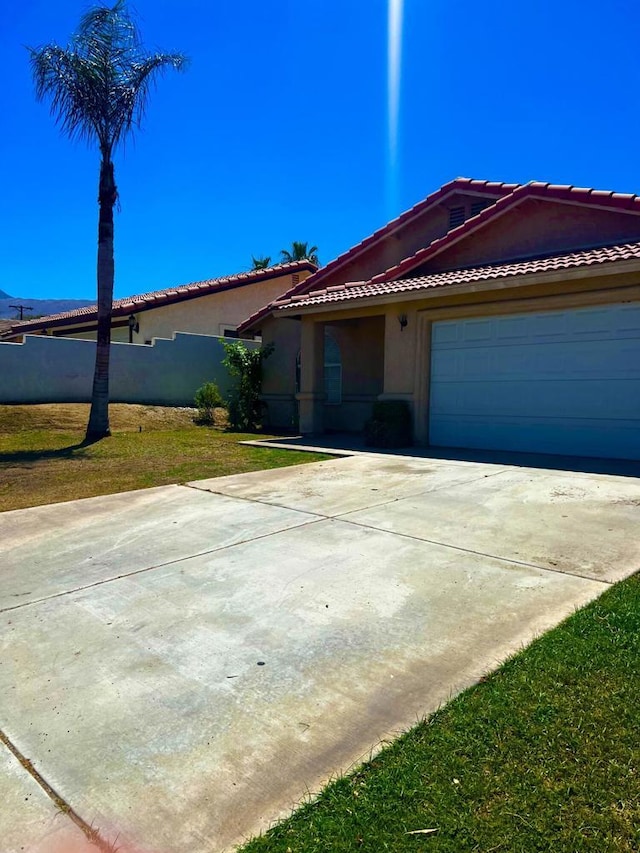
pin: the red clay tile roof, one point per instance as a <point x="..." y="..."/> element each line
<point x="373" y="288"/>
<point x="534" y="189"/>
<point x="156" y="298"/>
<point x="508" y="195"/>
<point x="496" y="188"/>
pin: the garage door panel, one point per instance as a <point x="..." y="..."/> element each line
<point x="598" y="400"/>
<point x="548" y="326"/>
<point x="582" y="324"/>
<point x="511" y="328"/>
<point x="610" y="360"/>
<point x="597" y="322"/>
<point x="568" y="383"/>
<point x="445" y="333"/>
<point x="481" y="330"/>
<point x="629" y="322"/>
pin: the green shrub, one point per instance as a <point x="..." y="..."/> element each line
<point x="245" y="407"/>
<point x="208" y="398"/>
<point x="390" y="424"/>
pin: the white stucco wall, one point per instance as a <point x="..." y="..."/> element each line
<point x="60" y="370"/>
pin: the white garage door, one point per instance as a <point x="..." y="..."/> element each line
<point x="554" y="382"/>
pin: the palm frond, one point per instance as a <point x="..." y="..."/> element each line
<point x="135" y="85"/>
<point x="98" y="86"/>
<point x="300" y="252"/>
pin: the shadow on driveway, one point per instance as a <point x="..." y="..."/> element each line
<point x="349" y="443"/>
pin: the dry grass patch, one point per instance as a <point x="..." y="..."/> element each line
<point x="43" y="458"/>
<point x="74" y="416"/>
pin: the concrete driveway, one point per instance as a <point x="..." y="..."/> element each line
<point x="180" y="666"/>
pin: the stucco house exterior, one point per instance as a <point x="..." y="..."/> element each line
<point x="506" y="315"/>
<point x="212" y="307"/>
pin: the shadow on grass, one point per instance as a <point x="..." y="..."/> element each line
<point x="73" y="451"/>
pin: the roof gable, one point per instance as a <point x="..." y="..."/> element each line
<point x="412" y="220"/>
<point x="574" y="218"/>
<point x="423" y="223"/>
<point x="568" y="222"/>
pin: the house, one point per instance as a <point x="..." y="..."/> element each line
<point x="212" y="307"/>
<point x="506" y="315"/>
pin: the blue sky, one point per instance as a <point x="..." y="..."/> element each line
<point x="279" y="130"/>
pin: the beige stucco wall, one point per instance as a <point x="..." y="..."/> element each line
<point x="279" y="372"/>
<point x="118" y="335"/>
<point x="210" y="314"/>
<point x="205" y="315"/>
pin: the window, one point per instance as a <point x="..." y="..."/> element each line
<point x="228" y="331"/>
<point x="332" y="370"/>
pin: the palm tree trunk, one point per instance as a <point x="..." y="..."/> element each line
<point x="98" y="426"/>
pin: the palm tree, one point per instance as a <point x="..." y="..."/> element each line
<point x="98" y="87"/>
<point x="260" y="263"/>
<point x="300" y="252"/>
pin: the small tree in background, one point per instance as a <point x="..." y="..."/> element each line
<point x="260" y="263"/>
<point x="208" y="398"/>
<point x="245" y="366"/>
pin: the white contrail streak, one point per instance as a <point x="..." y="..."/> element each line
<point x="394" y="48"/>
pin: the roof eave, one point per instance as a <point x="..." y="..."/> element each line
<point x="138" y="303"/>
<point x="479" y="286"/>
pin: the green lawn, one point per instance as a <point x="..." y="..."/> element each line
<point x="544" y="755"/>
<point x="42" y="459"/>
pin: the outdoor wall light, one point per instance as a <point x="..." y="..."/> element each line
<point x="402" y="319"/>
<point x="134" y="326"/>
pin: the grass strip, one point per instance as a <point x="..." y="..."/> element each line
<point x="543" y="755"/>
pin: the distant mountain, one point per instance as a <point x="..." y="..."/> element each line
<point x="41" y="307"/>
<point x="5" y="295"/>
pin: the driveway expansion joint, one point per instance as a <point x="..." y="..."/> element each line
<point x="339" y="515"/>
<point x="418" y="494"/>
<point x="342" y="517"/>
<point x="254" y="501"/>
<point x="523" y="563"/>
<point x="135" y="572"/>
<point x="91" y="833"/>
